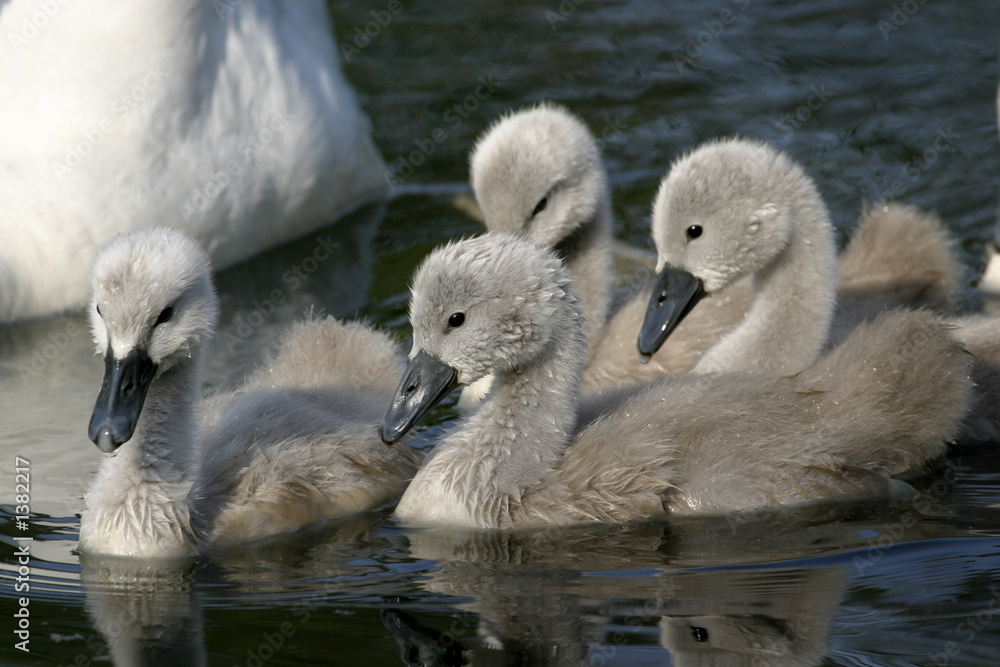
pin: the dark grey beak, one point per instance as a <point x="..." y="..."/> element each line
<point x="120" y="401"/>
<point x="426" y="381"/>
<point x="675" y="293"/>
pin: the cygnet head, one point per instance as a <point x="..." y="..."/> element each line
<point x="153" y="305"/>
<point x="538" y="173"/>
<point x="723" y="211"/>
<point x="483" y="305"/>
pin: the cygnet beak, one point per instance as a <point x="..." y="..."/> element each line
<point x="675" y="293"/>
<point x="120" y="402"/>
<point x="426" y="381"/>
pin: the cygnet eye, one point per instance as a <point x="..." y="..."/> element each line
<point x="693" y="232"/>
<point x="165" y="316"/>
<point x="540" y="206"/>
<point x="99" y="310"/>
<point x="456" y="320"/>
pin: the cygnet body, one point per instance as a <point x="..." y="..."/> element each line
<point x="295" y="445"/>
<point x="538" y="174"/>
<point x="899" y="257"/>
<point x="497" y="304"/>
<point x="738" y="208"/>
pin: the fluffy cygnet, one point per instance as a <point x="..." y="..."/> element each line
<point x="296" y="445"/>
<point x="882" y="403"/>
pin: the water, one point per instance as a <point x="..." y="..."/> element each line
<point x="866" y="108"/>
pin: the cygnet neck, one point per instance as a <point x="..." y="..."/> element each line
<point x="586" y="252"/>
<point x="518" y="435"/>
<point x="148" y="479"/>
<point x="167" y="429"/>
<point x="794" y="302"/>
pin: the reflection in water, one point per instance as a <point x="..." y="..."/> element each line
<point x="763" y="618"/>
<point x="147" y="612"/>
<point x="708" y="591"/>
<point x="320" y="554"/>
<point x="535" y="603"/>
<point x="421" y="646"/>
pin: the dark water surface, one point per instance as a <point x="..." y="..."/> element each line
<point x="872" y="98"/>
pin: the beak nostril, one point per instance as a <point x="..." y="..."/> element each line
<point x="426" y="381"/>
<point x="119" y="404"/>
<point x="661" y="298"/>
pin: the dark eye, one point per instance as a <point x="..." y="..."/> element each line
<point x="693" y="232"/>
<point x="165" y="316"/>
<point x="99" y="310"/>
<point x="700" y="634"/>
<point x="456" y="320"/>
<point x="540" y="206"/>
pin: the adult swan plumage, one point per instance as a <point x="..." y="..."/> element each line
<point x="229" y="120"/>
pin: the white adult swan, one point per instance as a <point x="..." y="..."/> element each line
<point x="230" y="120"/>
<point x="882" y="403"/>
<point x="736" y="208"/>
<point x="295" y="445"/>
